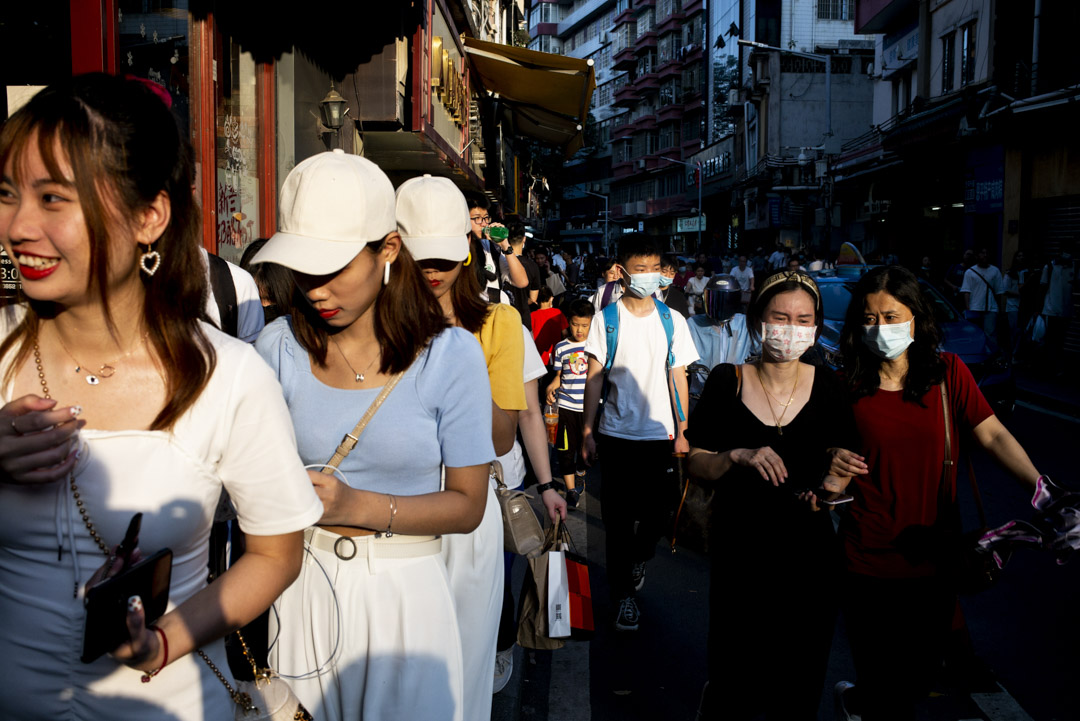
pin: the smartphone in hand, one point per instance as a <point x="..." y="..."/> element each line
<point x="831" y="498"/>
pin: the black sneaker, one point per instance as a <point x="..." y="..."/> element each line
<point x="628" y="617"/>
<point x="638" y="575"/>
<point x="572" y="496"/>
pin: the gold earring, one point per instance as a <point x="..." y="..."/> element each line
<point x="468" y="259"/>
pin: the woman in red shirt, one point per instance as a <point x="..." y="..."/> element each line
<point x="899" y="600"/>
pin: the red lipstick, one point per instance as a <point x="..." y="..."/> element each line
<point x="31" y="273"/>
<point x="328" y="314"/>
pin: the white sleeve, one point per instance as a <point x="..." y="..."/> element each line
<point x="596" y="341"/>
<point x="533" y="366"/>
<point x="260" y="466"/>
<point x="999" y="285"/>
<point x="682" y="344"/>
<point x="969" y="281"/>
<point x="250" y="318"/>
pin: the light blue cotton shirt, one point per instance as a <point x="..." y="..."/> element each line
<point x="440" y="413"/>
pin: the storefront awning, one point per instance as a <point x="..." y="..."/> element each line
<point x="548" y="95"/>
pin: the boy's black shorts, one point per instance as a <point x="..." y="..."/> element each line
<point x="568" y="441"/>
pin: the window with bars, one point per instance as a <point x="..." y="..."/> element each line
<point x="645" y="22"/>
<point x="948" y="66"/>
<point x="836" y="9"/>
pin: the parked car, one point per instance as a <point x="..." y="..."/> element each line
<point x="981" y="354"/>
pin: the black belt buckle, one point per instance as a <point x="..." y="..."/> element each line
<point x="337" y="549"/>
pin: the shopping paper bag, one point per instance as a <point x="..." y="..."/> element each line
<point x="558" y="596"/>
<point x="532" y="614"/>
<point x="581" y="608"/>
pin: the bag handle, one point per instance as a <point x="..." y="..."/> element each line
<point x="945" y="409"/>
<point x="350" y="440"/>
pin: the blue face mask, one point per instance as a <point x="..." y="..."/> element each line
<point x="643" y="285"/>
<point x="888" y="342"/>
<point x="665" y="281"/>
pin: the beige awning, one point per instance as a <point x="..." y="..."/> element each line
<point x="548" y="95"/>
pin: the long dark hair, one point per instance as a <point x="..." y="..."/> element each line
<point x="407" y="316"/>
<point x="467" y="291"/>
<point x="123" y="144"/>
<point x="925" y="366"/>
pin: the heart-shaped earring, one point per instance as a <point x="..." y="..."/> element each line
<point x="149" y="262"/>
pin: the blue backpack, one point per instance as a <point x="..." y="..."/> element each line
<point x="611" y="328"/>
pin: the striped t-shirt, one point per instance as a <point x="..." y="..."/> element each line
<point x="573" y="365"/>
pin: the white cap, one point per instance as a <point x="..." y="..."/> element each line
<point x="331" y="206"/>
<point x="433" y="218"/>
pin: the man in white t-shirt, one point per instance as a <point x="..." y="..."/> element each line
<point x="983" y="290"/>
<point x="639" y="427"/>
<point x="1057" y="277"/>
<point x="778" y="259"/>
<point x="744" y="276"/>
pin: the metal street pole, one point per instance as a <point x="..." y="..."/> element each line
<point x="607" y="215"/>
<point x="700" y="183"/>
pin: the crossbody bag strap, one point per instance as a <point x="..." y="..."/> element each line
<point x="350" y="439"/>
<point x="949" y="461"/>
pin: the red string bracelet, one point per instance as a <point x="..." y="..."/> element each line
<point x="164" y="661"/>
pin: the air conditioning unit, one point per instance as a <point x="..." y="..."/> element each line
<point x="641" y="164"/>
<point x="605" y="38"/>
<point x="733" y="97"/>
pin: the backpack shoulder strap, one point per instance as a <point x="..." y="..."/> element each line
<point x="224" y="293"/>
<point x="669" y="331"/>
<point x="611" y="331"/>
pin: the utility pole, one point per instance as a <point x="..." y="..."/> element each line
<point x="606" y="216"/>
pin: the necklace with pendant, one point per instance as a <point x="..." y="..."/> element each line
<point x="105" y="370"/>
<point x="778" y="421"/>
<point x="358" y="377"/>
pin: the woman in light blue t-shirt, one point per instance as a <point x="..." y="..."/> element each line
<point x="369" y="630"/>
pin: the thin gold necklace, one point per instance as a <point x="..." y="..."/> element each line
<point x="359" y="377"/>
<point x="105" y="370"/>
<point x="778" y="421"/>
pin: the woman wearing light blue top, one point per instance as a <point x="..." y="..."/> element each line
<point x="369" y="629"/>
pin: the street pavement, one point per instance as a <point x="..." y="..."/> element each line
<point x="1025" y="630"/>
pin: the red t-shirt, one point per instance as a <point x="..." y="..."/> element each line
<point x="548" y="325"/>
<point x="904" y="447"/>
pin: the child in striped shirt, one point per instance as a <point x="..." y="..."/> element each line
<point x="568" y="391"/>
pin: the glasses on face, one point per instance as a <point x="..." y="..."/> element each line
<point x="438" y="264"/>
<point x="482" y="219"/>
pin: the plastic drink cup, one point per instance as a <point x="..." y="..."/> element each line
<point x="551" y="420"/>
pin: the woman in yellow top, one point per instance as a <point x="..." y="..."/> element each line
<point x="433" y="220"/>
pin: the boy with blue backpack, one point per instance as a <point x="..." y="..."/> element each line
<point x="638" y="350"/>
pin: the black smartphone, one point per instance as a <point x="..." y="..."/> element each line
<point x="106" y="603"/>
<point x="831" y="498"/>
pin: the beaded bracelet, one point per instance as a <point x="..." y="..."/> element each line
<point x="165" y="659"/>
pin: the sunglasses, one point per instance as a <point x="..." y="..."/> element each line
<point x="438" y="264"/>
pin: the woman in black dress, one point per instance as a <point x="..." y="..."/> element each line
<point x="760" y="431"/>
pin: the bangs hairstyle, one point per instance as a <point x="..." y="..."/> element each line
<point x="637" y="245"/>
<point x="124" y="148"/>
<point x="784" y="281"/>
<point x="407" y="316"/>
<point x="925" y="366"/>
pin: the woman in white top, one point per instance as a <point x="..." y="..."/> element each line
<point x="369" y="629"/>
<point x="96" y="211"/>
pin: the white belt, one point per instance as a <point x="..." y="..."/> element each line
<point x="349" y="547"/>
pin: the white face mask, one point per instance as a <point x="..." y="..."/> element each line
<point x="787" y="342"/>
<point x="888" y="341"/>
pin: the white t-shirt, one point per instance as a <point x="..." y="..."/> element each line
<point x="249" y="309"/>
<point x="696" y="286"/>
<point x="776" y="260"/>
<point x="983" y="294"/>
<point x="1059" y="276"/>
<point x="743" y="276"/>
<point x="639" y="405"/>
